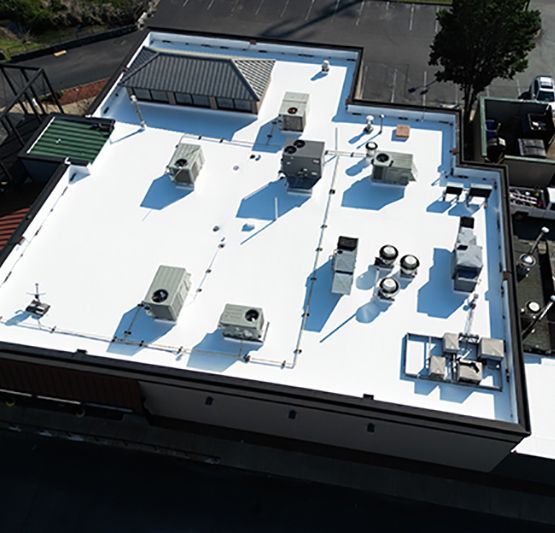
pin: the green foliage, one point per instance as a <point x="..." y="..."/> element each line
<point x="39" y="15"/>
<point x="30" y="14"/>
<point x="481" y="40"/>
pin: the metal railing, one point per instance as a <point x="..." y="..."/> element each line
<point x="25" y="93"/>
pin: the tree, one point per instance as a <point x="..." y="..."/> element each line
<point x="480" y="40"/>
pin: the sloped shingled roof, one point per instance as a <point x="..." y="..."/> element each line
<point x="224" y="77"/>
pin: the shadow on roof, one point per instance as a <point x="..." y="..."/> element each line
<point x="439" y="282"/>
<point x="363" y="194"/>
<point x="163" y="192"/>
<point x="139" y="329"/>
<point x="323" y="301"/>
<point x="215" y="353"/>
<point x="261" y="204"/>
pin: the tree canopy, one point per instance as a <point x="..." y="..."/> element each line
<point x="480" y="40"/>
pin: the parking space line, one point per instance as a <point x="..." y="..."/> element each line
<point x="394" y="83"/>
<point x="185" y="3"/>
<point x="258" y="8"/>
<point x="284" y="9"/>
<point x="359" y="13"/>
<point x="235" y="4"/>
<point x="386" y="6"/>
<point x="309" y="10"/>
<point x="210" y="5"/>
<point x="411" y="19"/>
<point x="436" y="26"/>
<point x="487" y="90"/>
<point x="517" y="87"/>
<point x="335" y="8"/>
<point x="424" y="84"/>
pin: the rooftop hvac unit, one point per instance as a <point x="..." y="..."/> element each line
<point x="167" y="293"/>
<point x="243" y="323"/>
<point x="293" y="111"/>
<point x="394" y="168"/>
<point x="467" y="257"/>
<point x="343" y="265"/>
<point x="302" y="164"/>
<point x="186" y="164"/>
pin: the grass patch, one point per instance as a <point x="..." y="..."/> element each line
<point x="11" y="44"/>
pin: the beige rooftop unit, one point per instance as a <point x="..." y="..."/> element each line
<point x="293" y="111"/>
<point x="167" y="293"/>
<point x="186" y="164"/>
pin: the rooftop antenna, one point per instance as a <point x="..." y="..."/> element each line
<point x="382" y="117"/>
<point x="137" y="109"/>
<point x="543" y="232"/>
<point x="37" y="307"/>
<point x="472" y="303"/>
<point x="530" y="328"/>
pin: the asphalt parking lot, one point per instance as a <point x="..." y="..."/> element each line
<point x="395" y="37"/>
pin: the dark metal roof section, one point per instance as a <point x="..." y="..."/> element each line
<point x="224" y="77"/>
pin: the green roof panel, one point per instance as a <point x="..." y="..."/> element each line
<point x="75" y="139"/>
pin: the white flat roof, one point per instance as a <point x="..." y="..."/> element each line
<point x="103" y="235"/>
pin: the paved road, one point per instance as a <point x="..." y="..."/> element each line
<point x="54" y="487"/>
<point x="91" y="62"/>
<point x="395" y="37"/>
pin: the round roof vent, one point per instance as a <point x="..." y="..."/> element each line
<point x="389" y="286"/>
<point x="389" y="252"/>
<point x="292" y="110"/>
<point x="299" y="143"/>
<point x="382" y="157"/>
<point x="289" y="149"/>
<point x="160" y="295"/>
<point x="409" y="262"/>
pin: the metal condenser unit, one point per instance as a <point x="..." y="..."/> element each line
<point x="167" y="293"/>
<point x="186" y="164"/>
<point x="243" y="323"/>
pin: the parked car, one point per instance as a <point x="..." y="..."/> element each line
<point x="543" y="90"/>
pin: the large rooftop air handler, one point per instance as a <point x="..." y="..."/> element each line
<point x="241" y="322"/>
<point x="343" y="265"/>
<point x="293" y="111"/>
<point x="186" y="164"/>
<point x="302" y="163"/>
<point x="167" y="293"/>
<point x="393" y="168"/>
<point x="467" y="257"/>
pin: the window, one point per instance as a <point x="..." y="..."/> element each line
<point x="142" y="94"/>
<point x="243" y="105"/>
<point x="546" y="96"/>
<point x="225" y="103"/>
<point x="160" y="96"/>
<point x="183" y="99"/>
<point x="201" y="101"/>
